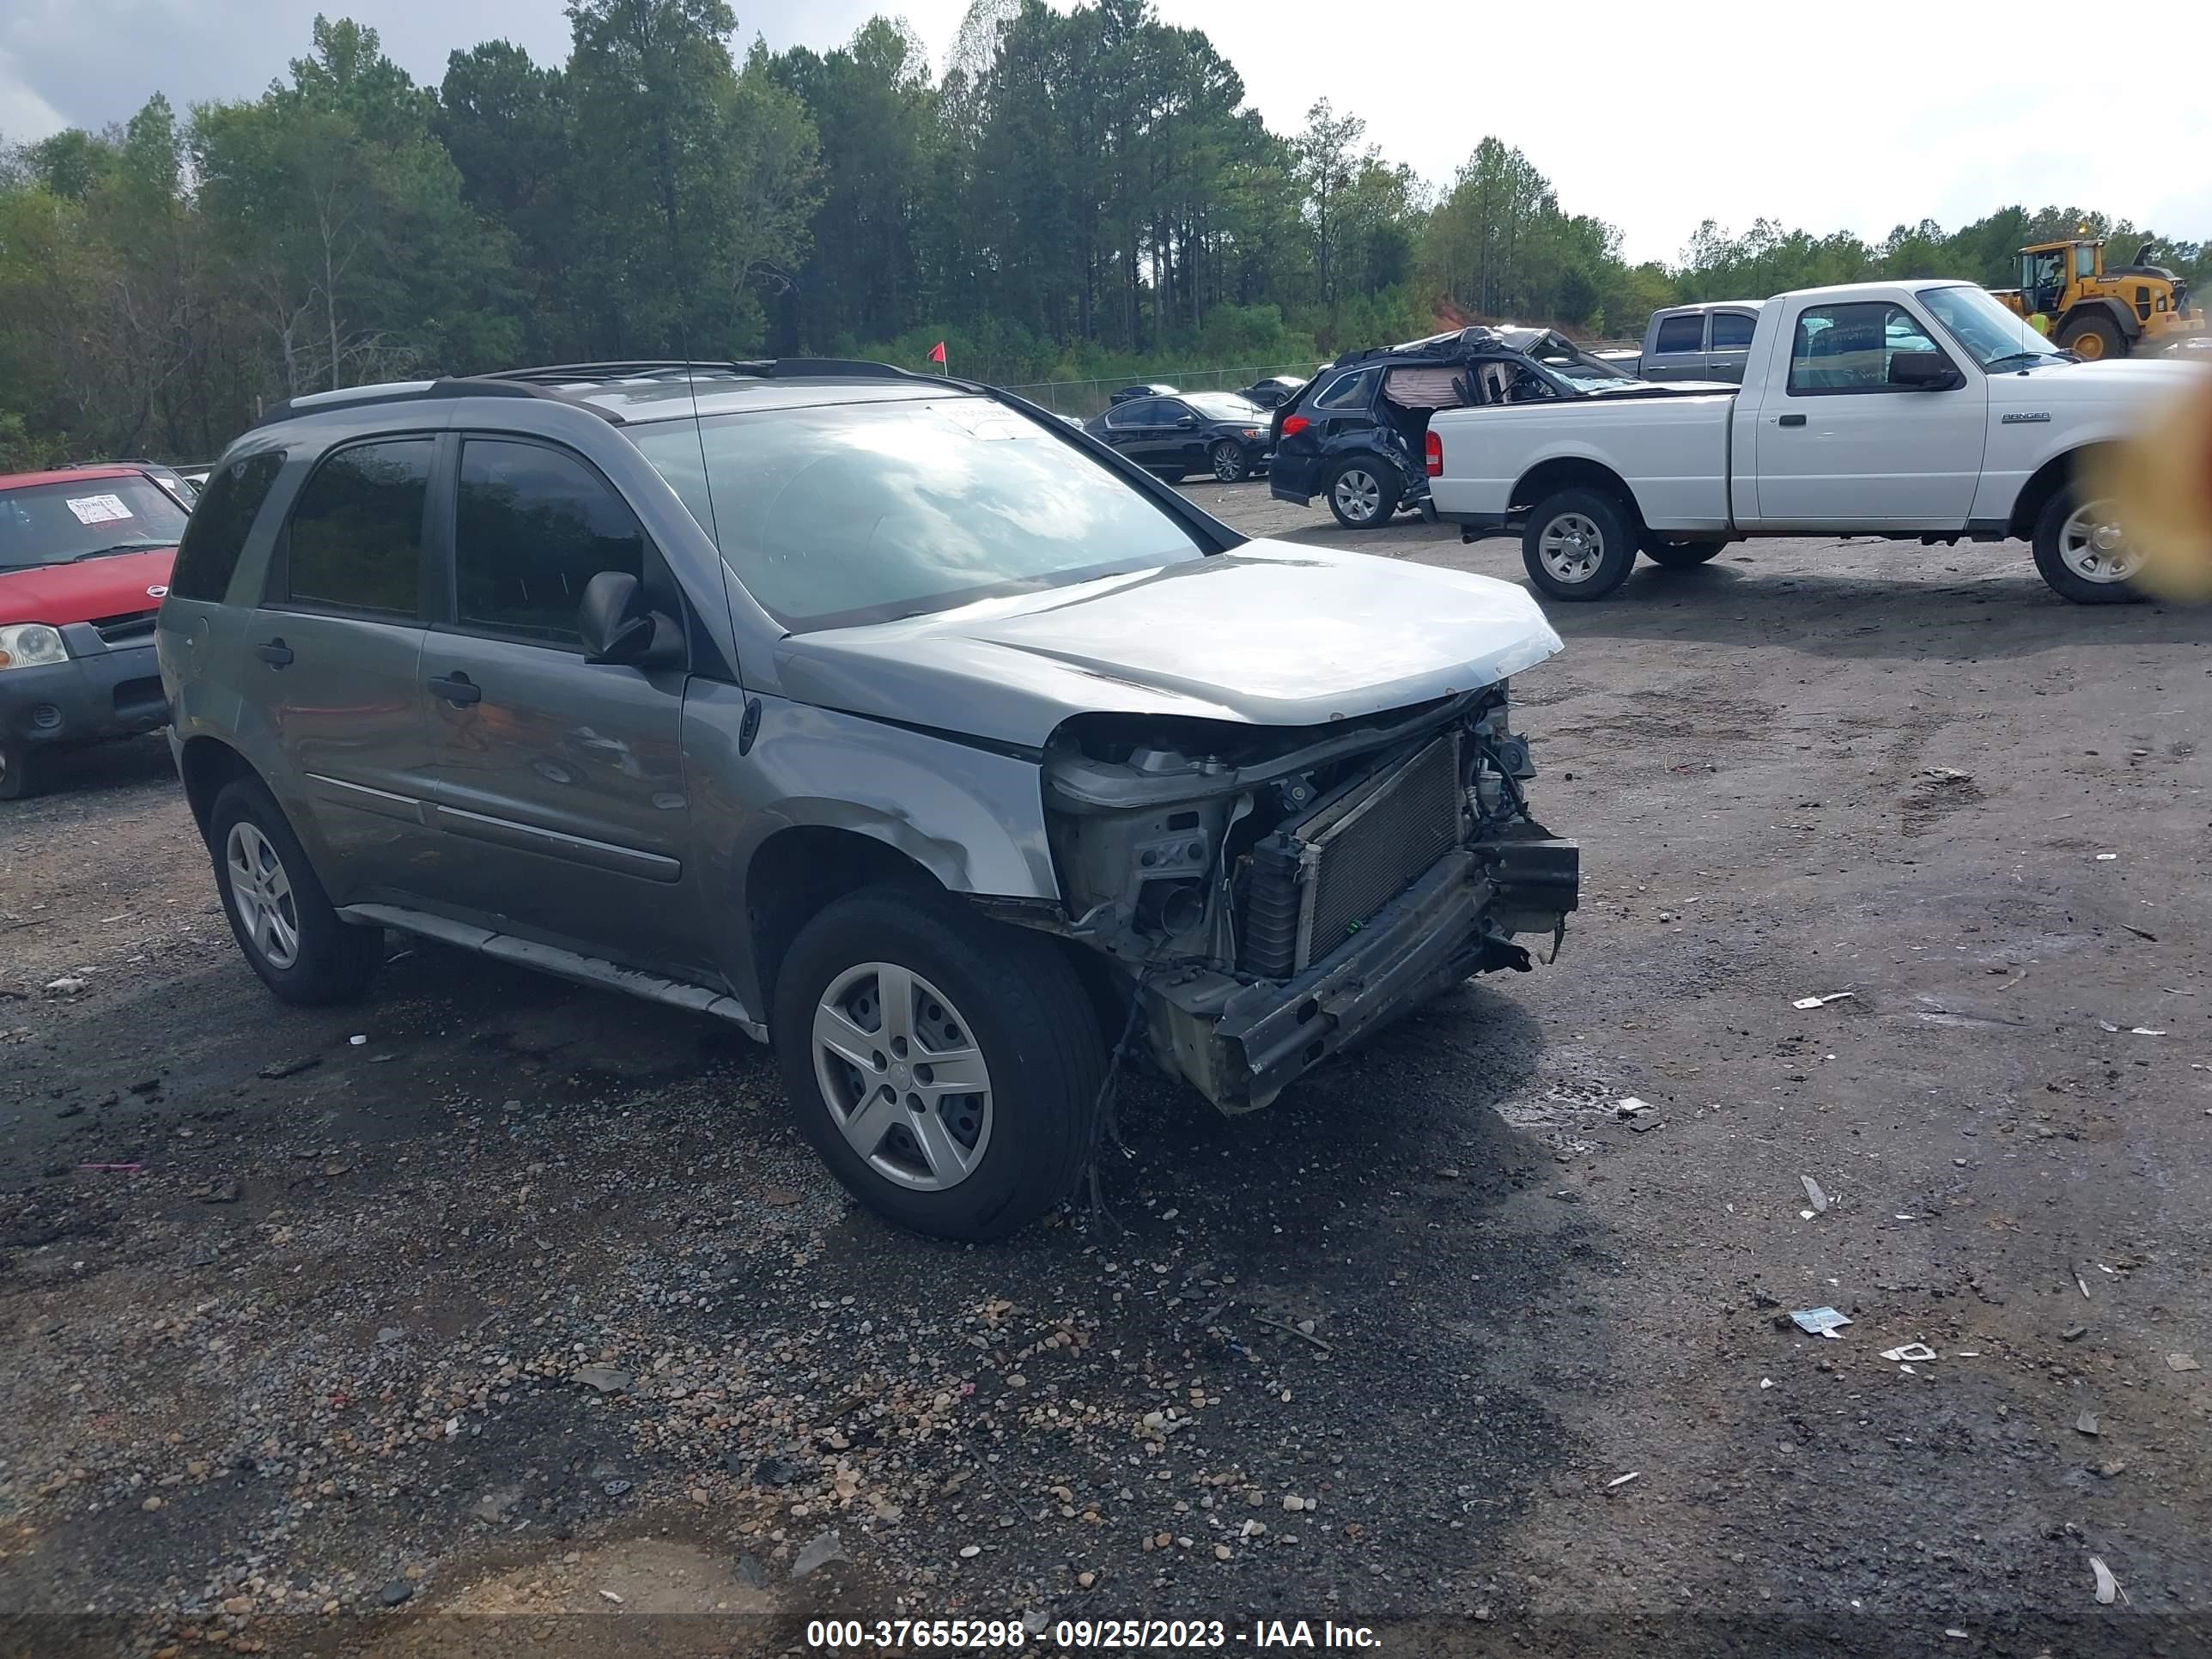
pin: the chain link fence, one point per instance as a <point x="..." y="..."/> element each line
<point x="1084" y="398"/>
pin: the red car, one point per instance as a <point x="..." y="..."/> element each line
<point x="84" y="560"/>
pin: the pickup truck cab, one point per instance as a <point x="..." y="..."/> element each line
<point x="85" y="557"/>
<point x="1708" y="342"/>
<point x="1919" y="410"/>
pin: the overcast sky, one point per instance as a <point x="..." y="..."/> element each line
<point x="1831" y="116"/>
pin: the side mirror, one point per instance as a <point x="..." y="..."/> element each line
<point x="616" y="628"/>
<point x="1186" y="420"/>
<point x="1923" y="371"/>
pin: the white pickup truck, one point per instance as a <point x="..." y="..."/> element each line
<point x="1920" y="411"/>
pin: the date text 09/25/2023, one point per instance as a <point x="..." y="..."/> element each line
<point x="1098" y="1635"/>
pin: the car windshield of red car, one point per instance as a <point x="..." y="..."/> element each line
<point x="62" y="523"/>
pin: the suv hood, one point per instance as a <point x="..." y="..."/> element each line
<point x="117" y="584"/>
<point x="1268" y="633"/>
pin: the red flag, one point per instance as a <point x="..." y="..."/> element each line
<point x="937" y="352"/>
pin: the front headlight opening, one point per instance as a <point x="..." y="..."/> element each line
<point x="30" y="645"/>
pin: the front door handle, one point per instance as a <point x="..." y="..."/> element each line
<point x="1791" y="420"/>
<point x="275" y="653"/>
<point x="458" y="689"/>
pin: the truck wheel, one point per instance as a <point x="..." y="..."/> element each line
<point x="1578" y="545"/>
<point x="2093" y="336"/>
<point x="278" y="912"/>
<point x="2083" y="552"/>
<point x="1680" y="555"/>
<point x="1228" y="465"/>
<point x="20" y="773"/>
<point x="946" y="1067"/>
<point x="1364" y="493"/>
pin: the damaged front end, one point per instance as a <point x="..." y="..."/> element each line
<point x="1271" y="894"/>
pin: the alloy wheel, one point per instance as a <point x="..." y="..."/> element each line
<point x="1359" y="494"/>
<point x="262" y="893"/>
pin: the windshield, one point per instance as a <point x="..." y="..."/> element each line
<point x="1225" y="406"/>
<point x="860" y="512"/>
<point x="1990" y="333"/>
<point x="58" y="523"/>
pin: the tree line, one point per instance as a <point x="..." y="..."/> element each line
<point x="1076" y="194"/>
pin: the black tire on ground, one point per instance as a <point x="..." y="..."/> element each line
<point x="328" y="960"/>
<point x="1680" y="555"/>
<point x="2051" y="556"/>
<point x="1592" y="544"/>
<point x="1230" y="465"/>
<point x="1016" y="1000"/>
<point x="1363" y="491"/>
<point x="21" y="770"/>
<point x="2093" y="336"/>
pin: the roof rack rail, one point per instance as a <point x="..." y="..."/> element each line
<point x="763" y="368"/>
<point x="394" y="392"/>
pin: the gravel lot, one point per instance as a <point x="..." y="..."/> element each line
<point x="529" y="1305"/>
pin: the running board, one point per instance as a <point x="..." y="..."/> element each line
<point x="566" y="964"/>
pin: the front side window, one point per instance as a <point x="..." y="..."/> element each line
<point x="1732" y="331"/>
<point x="63" y="523"/>
<point x="532" y="526"/>
<point x="356" y="539"/>
<point x="217" y="535"/>
<point x="849" y="514"/>
<point x="1847" y="347"/>
<point x="1682" y="334"/>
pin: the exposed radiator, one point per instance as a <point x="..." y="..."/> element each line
<point x="1314" y="882"/>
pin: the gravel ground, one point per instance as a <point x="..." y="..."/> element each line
<point x="498" y="1317"/>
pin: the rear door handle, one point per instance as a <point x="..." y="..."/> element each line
<point x="458" y="689"/>
<point x="1791" y="420"/>
<point x="275" y="653"/>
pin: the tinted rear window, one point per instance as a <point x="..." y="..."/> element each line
<point x="1682" y="334"/>
<point x="1732" y="331"/>
<point x="216" y="534"/>
<point x="356" y="536"/>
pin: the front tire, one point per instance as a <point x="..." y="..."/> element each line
<point x="279" y="914"/>
<point x="1680" y="555"/>
<point x="21" y="770"/>
<point x="1363" y="492"/>
<point x="2082" y="552"/>
<point x="1230" y="465"/>
<point x="947" y="1068"/>
<point x="1578" y="545"/>
<point x="2094" y="338"/>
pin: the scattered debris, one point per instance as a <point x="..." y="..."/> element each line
<point x="2073" y="1333"/>
<point x="1918" y="1353"/>
<point x="2182" y="1362"/>
<point x="2082" y="1283"/>
<point x="2107" y="858"/>
<point x="605" y="1378"/>
<point x="224" y="1189"/>
<point x="1303" y="1335"/>
<point x="1813" y="1195"/>
<point x="1629" y="1106"/>
<point x="1623" y="1479"/>
<point x="609" y="1596"/>
<point x="67" y="986"/>
<point x="2140" y="933"/>
<point x="1765" y="1383"/>
<point x="2108" y="1588"/>
<point x="292" y="1067"/>
<point x="2086" y="1424"/>
<point x="1820" y="1321"/>
<point x="2106" y="1026"/>
<point x="1821" y="1002"/>
<point x="2143" y="1031"/>
<point x="1645" y="1123"/>
<point x="358" y="1040"/>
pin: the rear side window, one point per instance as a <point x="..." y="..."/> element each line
<point x="1682" y="334"/>
<point x="224" y="515"/>
<point x="356" y="540"/>
<point x="1732" y="331"/>
<point x="1348" y="391"/>
<point x="533" y="526"/>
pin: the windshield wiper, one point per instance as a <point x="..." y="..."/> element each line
<point x="2023" y="358"/>
<point x="139" y="546"/>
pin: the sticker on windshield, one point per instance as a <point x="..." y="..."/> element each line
<point x="98" y="509"/>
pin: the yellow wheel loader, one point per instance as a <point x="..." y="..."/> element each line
<point x="2096" y="310"/>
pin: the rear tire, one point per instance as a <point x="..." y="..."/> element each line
<point x="2082" y="551"/>
<point x="279" y="914"/>
<point x="2094" y="338"/>
<point x="1578" y="545"/>
<point x="1230" y="465"/>
<point x="1363" y="492"/>
<point x="889" y="975"/>
<point x="1680" y="555"/>
<point x="21" y="770"/>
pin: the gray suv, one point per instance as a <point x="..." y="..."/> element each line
<point x="887" y="717"/>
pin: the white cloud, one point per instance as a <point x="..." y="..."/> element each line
<point x="24" y="115"/>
